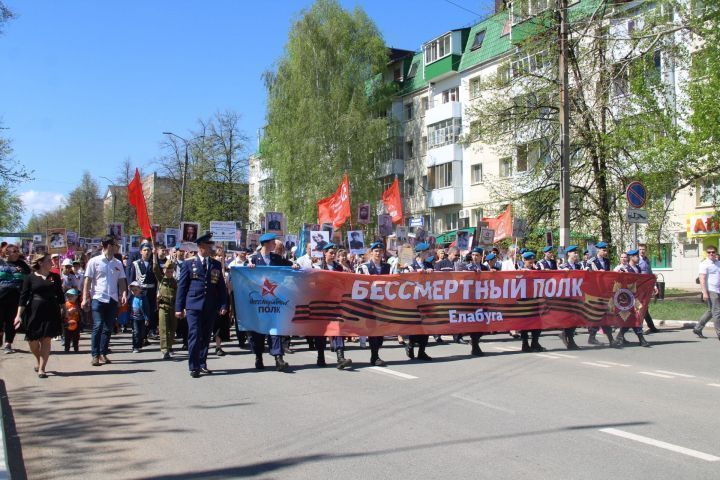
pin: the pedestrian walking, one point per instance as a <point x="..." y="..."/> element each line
<point x="71" y="321"/>
<point x="13" y="271"/>
<point x="167" y="294"/>
<point x="41" y="310"/>
<point x="709" y="277"/>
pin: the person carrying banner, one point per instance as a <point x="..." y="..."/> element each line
<point x="375" y="266"/>
<point x="534" y="346"/>
<point x="338" y="343"/>
<point x="201" y="295"/>
<point x="571" y="263"/>
<point x="476" y="264"/>
<point x="600" y="263"/>
<point x="631" y="267"/>
<point x="548" y="262"/>
<point x="492" y="263"/>
<point x="420" y="264"/>
<point x="267" y="258"/>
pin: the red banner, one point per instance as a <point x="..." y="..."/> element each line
<point x="502" y="224"/>
<point x="393" y="202"/>
<point x="335" y="209"/>
<point x="319" y="302"/>
<point x="136" y="197"/>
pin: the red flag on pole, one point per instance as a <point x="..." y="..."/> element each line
<point x="335" y="209"/>
<point x="393" y="202"/>
<point x="502" y="224"/>
<point x="136" y="197"/>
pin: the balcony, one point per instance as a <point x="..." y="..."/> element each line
<point x="394" y="166"/>
<point x="442" y="197"/>
<point x="447" y="153"/>
<point x="443" y="111"/>
<point x="442" y="68"/>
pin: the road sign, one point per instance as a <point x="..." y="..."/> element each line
<point x="636" y="215"/>
<point x="417" y="222"/>
<point x="636" y="194"/>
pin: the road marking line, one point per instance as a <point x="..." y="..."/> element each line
<point x="545" y="355"/>
<point x="713" y="384"/>
<point x="387" y="371"/>
<point x="660" y="444"/>
<point x="652" y="374"/>
<point x="478" y="402"/>
<point x="562" y="355"/>
<point x="614" y="364"/>
<point x="675" y="373"/>
<point x="507" y="349"/>
<point x="593" y="364"/>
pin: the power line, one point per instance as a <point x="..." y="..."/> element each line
<point x="463" y="8"/>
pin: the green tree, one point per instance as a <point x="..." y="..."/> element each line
<point x="11" y="208"/>
<point x="84" y="210"/>
<point x="324" y="97"/>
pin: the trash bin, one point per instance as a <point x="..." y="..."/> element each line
<point x="660" y="282"/>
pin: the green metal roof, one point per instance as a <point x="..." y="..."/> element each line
<point x="418" y="81"/>
<point x="494" y="44"/>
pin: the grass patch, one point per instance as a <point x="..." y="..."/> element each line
<point x="677" y="310"/>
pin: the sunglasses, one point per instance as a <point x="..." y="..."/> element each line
<point x="711" y="252"/>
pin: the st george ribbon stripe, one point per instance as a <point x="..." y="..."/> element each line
<point x="282" y="301"/>
<point x="660" y="444"/>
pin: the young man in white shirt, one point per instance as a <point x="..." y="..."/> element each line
<point x="105" y="287"/>
<point x="709" y="275"/>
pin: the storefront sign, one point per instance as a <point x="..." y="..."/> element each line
<point x="701" y="224"/>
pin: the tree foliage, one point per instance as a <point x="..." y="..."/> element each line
<point x="323" y="102"/>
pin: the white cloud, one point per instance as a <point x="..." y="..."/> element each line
<point x="40" y="202"/>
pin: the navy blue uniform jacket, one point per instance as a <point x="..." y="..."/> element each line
<point x="199" y="288"/>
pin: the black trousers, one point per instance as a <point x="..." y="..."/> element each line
<point x="419" y="340"/>
<point x="8" y="311"/>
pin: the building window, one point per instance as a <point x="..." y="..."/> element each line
<point x="522" y="158"/>
<point x="476" y="173"/>
<point x="410" y="187"/>
<point x="506" y="165"/>
<point x="440" y="176"/>
<point x="413" y="70"/>
<point x="451" y="95"/>
<point x="425" y="183"/>
<point x="409" y="148"/>
<point x="444" y="133"/>
<point x="438" y="48"/>
<point x="630" y="27"/>
<point x="708" y="192"/>
<point x="397" y="74"/>
<point x="479" y="38"/>
<point x="504" y="73"/>
<point x="663" y="257"/>
<point x="409" y="111"/>
<point x="451" y="221"/>
<point x="477" y="215"/>
<point x="530" y="63"/>
<point x="474" y="87"/>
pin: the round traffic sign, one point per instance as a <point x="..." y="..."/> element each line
<point x="636" y="194"/>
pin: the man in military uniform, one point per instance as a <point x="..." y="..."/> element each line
<point x="548" y="262"/>
<point x="375" y="266"/>
<point x="420" y="264"/>
<point x="534" y="346"/>
<point x="633" y="266"/>
<point x="201" y="295"/>
<point x="492" y="263"/>
<point x="601" y="263"/>
<point x="167" y="293"/>
<point x="141" y="270"/>
<point x="266" y="257"/>
<point x="476" y="264"/>
<point x="572" y="263"/>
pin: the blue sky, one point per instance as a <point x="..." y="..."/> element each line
<point x="86" y="84"/>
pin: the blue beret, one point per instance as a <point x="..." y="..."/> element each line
<point x="490" y="256"/>
<point x="601" y="245"/>
<point x="329" y="246"/>
<point x="375" y="245"/>
<point x="523" y="250"/>
<point x="529" y="255"/>
<point x="548" y="249"/>
<point x="421" y="247"/>
<point x="267" y="237"/>
<point x="632" y="252"/>
<point x="477" y="250"/>
<point x="145" y="245"/>
<point x="571" y="248"/>
<point x="207" y="238"/>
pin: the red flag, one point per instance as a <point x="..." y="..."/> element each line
<point x="335" y="209"/>
<point x="393" y="202"/>
<point x="136" y="197"/>
<point x="502" y="224"/>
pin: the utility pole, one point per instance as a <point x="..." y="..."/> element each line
<point x="182" y="189"/>
<point x="562" y="6"/>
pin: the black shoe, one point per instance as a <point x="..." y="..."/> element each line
<point x="409" y="350"/>
<point x="619" y="342"/>
<point x="424" y="356"/>
<point x="280" y="364"/>
<point x="525" y="347"/>
<point x="643" y="342"/>
<point x="699" y="333"/>
<point x="536" y="347"/>
<point x="259" y="363"/>
<point x="343" y="362"/>
<point x="564" y="339"/>
<point x="571" y="345"/>
<point x="476" y="352"/>
<point x="593" y="341"/>
<point x="321" y="361"/>
<point x="219" y="352"/>
<point x="378" y="362"/>
<point x="206" y="371"/>
<point x="195" y="373"/>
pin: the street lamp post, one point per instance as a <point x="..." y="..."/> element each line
<point x="185" y="169"/>
<point x="562" y="6"/>
<point x="114" y="196"/>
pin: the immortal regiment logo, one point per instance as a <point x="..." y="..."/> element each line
<point x="262" y="304"/>
<point x="624" y="302"/>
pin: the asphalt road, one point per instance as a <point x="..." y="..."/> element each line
<point x="593" y="414"/>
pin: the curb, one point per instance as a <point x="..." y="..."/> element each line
<point x="12" y="465"/>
